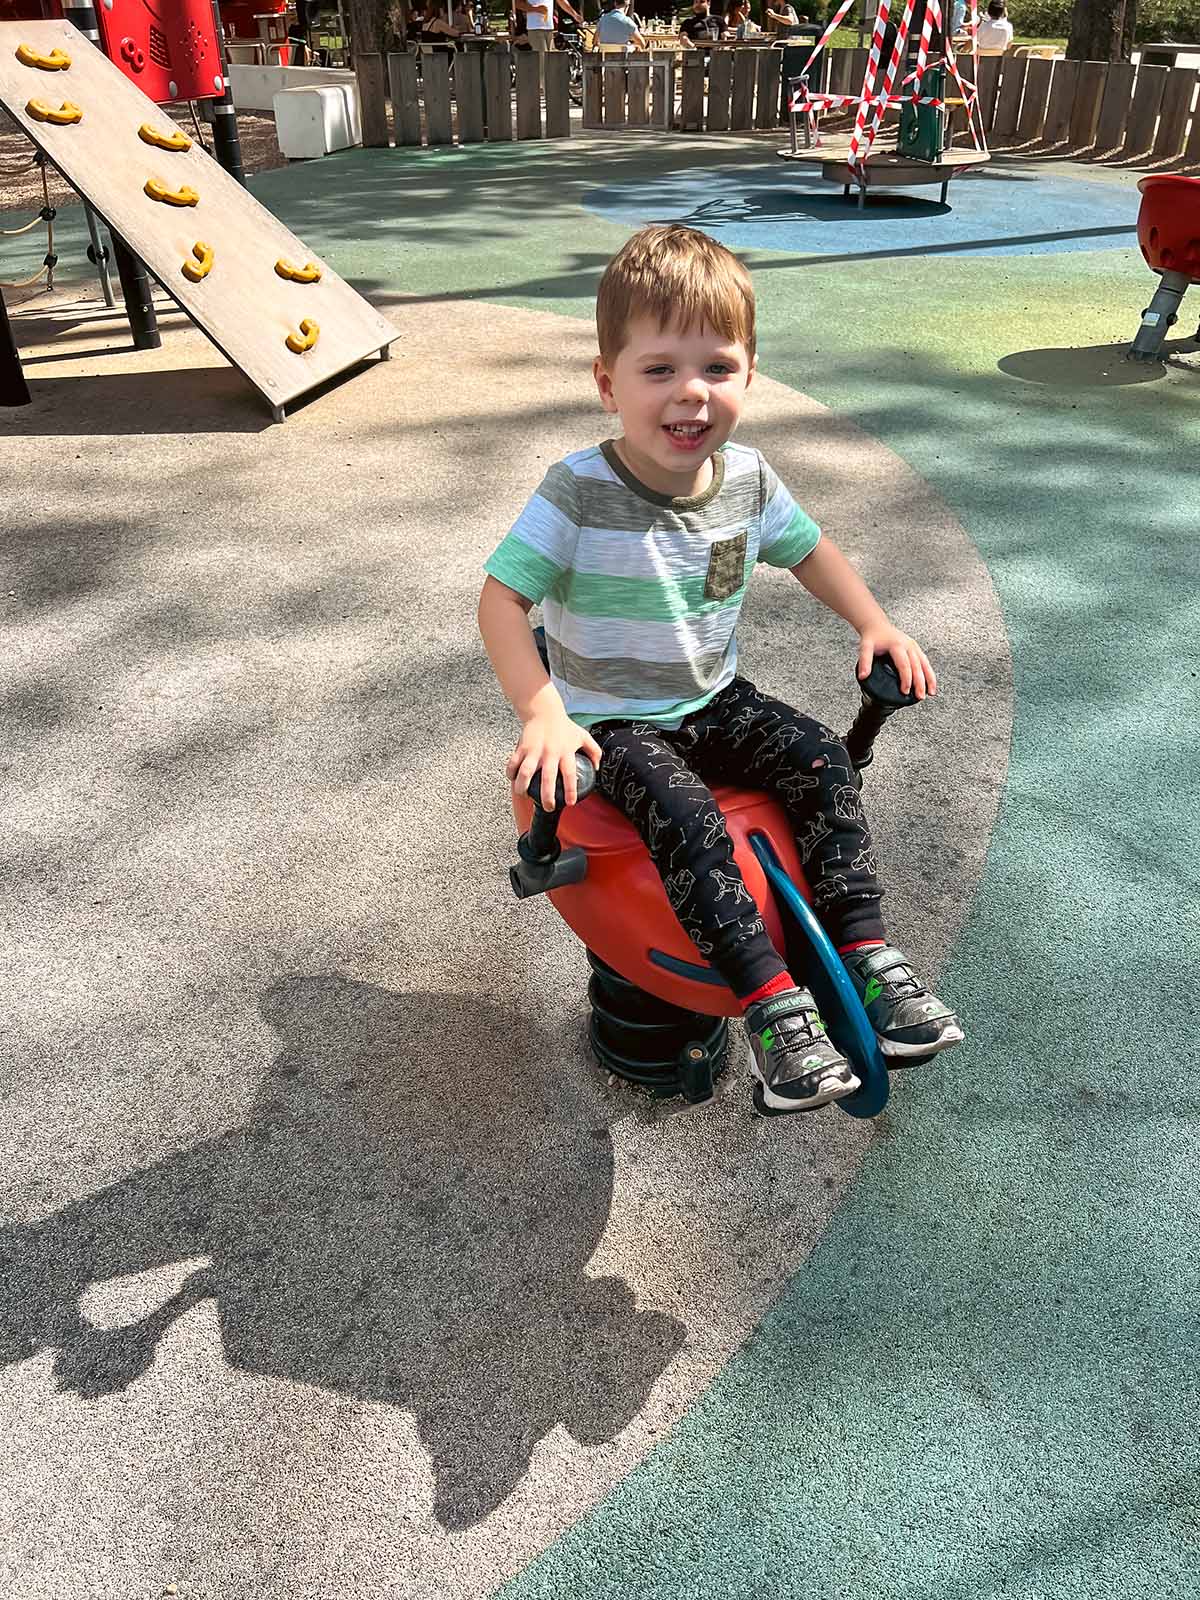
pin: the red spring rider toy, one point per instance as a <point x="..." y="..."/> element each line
<point x="1169" y="234"/>
<point x="660" y="1013"/>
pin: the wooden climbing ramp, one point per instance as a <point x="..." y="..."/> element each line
<point x="270" y="306"/>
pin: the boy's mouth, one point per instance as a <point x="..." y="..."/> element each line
<point x="687" y="435"/>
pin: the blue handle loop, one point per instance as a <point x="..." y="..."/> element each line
<point x="836" y="995"/>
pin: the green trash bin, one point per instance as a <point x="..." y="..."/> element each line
<point x="923" y="128"/>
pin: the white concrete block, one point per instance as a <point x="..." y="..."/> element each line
<point x="310" y="122"/>
<point x="254" y="88"/>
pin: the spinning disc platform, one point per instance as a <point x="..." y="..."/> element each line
<point x="885" y="167"/>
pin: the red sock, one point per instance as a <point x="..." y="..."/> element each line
<point x="776" y="986"/>
<point x="861" y="944"/>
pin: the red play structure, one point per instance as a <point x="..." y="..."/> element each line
<point x="1169" y="234"/>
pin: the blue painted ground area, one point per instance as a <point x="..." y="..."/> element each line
<point x="786" y="209"/>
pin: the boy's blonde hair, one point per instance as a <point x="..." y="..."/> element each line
<point x="681" y="277"/>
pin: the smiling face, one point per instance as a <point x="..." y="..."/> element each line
<point x="679" y="393"/>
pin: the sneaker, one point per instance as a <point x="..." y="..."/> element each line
<point x="908" y="1020"/>
<point x="797" y="1067"/>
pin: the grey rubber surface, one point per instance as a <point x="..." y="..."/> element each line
<point x="331" y="1266"/>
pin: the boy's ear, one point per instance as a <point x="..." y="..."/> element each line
<point x="752" y="370"/>
<point x="604" y="383"/>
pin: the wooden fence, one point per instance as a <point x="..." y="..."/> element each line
<point x="1108" y="111"/>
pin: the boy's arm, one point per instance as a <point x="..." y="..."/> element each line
<point x="549" y="739"/>
<point x="827" y="574"/>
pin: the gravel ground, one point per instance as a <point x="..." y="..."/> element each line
<point x="21" y="182"/>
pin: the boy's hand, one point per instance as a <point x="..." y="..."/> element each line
<point x="909" y="659"/>
<point x="550" y="743"/>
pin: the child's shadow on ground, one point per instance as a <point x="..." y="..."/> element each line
<point x="405" y="1218"/>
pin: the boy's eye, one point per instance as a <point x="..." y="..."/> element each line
<point x="656" y="372"/>
<point x="721" y="367"/>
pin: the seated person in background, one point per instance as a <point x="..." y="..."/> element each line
<point x="464" y="17"/>
<point x="738" y="19"/>
<point x="995" y="30"/>
<point x="429" y="25"/>
<point x="616" y="26"/>
<point x="778" y="14"/>
<point x="701" y="27"/>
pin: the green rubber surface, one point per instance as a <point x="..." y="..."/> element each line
<point x="985" y="1380"/>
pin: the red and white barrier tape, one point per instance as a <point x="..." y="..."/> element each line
<point x="863" y="137"/>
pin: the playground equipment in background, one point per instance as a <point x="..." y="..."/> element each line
<point x="160" y="190"/>
<point x="920" y="153"/>
<point x="1169" y="234"/>
<point x="659" y="1011"/>
<point x="170" y="52"/>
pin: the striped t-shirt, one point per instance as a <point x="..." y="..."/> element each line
<point x="640" y="593"/>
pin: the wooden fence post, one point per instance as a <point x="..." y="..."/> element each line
<point x="637" y="88"/>
<point x="1085" y="112"/>
<point x="720" y="88"/>
<point x="368" y="69"/>
<point x="1008" y="101"/>
<point x="468" y="95"/>
<point x="839" y="71"/>
<point x="593" y="93"/>
<point x="1062" y="98"/>
<point x="406" y="109"/>
<point x="435" y="75"/>
<point x="741" y="111"/>
<point x="1114" y="108"/>
<point x="1191" y="150"/>
<point x="1143" y="113"/>
<point x="558" y="94"/>
<point x="614" y="91"/>
<point x="662" y="88"/>
<point x="1176" y="105"/>
<point x="770" y="64"/>
<point x="691" y="100"/>
<point x="1033" y="102"/>
<point x="497" y="78"/>
<point x="529" y="95"/>
<point x="987" y="84"/>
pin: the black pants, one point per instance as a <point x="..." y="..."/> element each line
<point x="659" y="778"/>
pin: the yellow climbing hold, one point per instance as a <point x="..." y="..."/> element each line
<point x="202" y="266"/>
<point x="62" y="118"/>
<point x="56" y="61"/>
<point x="310" y="332"/>
<point x="171" y="197"/>
<point x="309" y="273"/>
<point x="163" y="141"/>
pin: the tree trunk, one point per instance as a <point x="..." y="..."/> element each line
<point x="372" y="25"/>
<point x="1102" y="30"/>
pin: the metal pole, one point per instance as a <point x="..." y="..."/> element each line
<point x="226" y="145"/>
<point x="135" y="285"/>
<point x="143" y="323"/>
<point x="98" y="255"/>
<point x="14" y="391"/>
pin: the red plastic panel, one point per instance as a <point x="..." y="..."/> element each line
<point x="168" y="48"/>
<point x="1169" y="224"/>
<point x="621" y="910"/>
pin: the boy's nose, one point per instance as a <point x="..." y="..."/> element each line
<point x="693" y="389"/>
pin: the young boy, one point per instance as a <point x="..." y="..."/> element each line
<point x="639" y="551"/>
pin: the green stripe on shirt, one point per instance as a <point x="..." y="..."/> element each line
<point x="525" y="570"/>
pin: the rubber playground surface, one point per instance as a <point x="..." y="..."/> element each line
<point x="331" y="1267"/>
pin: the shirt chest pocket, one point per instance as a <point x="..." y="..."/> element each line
<point x="726" y="567"/>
